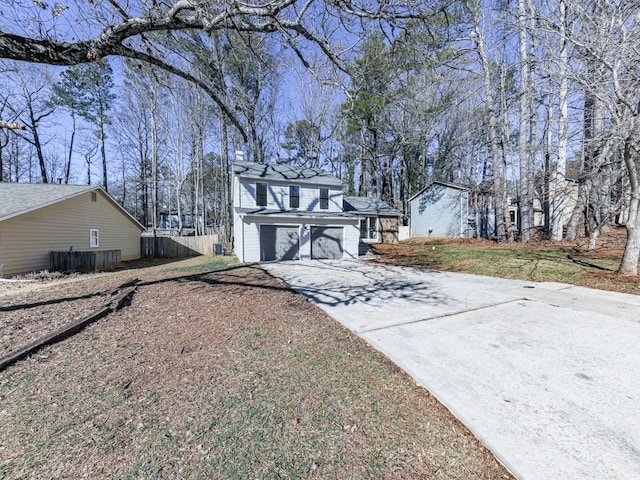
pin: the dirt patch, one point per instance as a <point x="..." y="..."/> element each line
<point x="222" y="375"/>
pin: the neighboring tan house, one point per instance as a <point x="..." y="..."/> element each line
<point x="36" y="219"/>
<point x="440" y="210"/>
<point x="379" y="223"/>
<point x="286" y="213"/>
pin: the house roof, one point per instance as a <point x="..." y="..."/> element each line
<point x="284" y="173"/>
<point x="445" y="184"/>
<point x="20" y="198"/>
<point x="369" y="206"/>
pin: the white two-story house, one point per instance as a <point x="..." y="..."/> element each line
<point x="286" y="213"/>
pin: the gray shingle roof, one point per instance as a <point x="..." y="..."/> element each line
<point x="284" y="173"/>
<point x="369" y="205"/>
<point x="19" y="198"/>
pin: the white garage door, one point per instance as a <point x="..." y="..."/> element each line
<point x="326" y="243"/>
<point x="279" y="243"/>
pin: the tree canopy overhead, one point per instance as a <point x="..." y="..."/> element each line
<point x="52" y="33"/>
<point x="124" y="24"/>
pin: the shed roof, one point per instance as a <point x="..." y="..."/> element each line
<point x="284" y="173"/>
<point x="20" y="198"/>
<point x="369" y="206"/>
<point x="444" y="184"/>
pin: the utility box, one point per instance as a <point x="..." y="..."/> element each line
<point x="218" y="249"/>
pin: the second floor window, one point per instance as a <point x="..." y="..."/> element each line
<point x="324" y="198"/>
<point x="261" y="194"/>
<point x="294" y="196"/>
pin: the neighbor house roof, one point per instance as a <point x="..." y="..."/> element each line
<point x="444" y="184"/>
<point x="20" y="198"/>
<point x="369" y="206"/>
<point x="284" y="173"/>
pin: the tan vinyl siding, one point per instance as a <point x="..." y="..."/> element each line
<point x="26" y="240"/>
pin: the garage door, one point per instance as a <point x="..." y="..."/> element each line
<point x="326" y="242"/>
<point x="279" y="243"/>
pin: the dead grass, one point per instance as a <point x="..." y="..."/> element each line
<point x="565" y="262"/>
<point x="223" y="375"/>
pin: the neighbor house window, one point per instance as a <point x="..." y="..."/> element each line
<point x="324" y="198"/>
<point x="94" y="197"/>
<point x="94" y="238"/>
<point x="261" y="194"/>
<point x="294" y="196"/>
<point x="369" y="228"/>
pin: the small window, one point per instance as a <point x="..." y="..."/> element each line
<point x="324" y="198"/>
<point x="261" y="194"/>
<point x="294" y="196"/>
<point x="94" y="197"/>
<point x="369" y="228"/>
<point x="94" y="238"/>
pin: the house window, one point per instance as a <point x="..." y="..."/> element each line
<point x="294" y="196"/>
<point x="94" y="238"/>
<point x="94" y="197"/>
<point x="261" y="194"/>
<point x="369" y="228"/>
<point x="324" y="198"/>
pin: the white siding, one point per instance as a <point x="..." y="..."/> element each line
<point x="238" y="230"/>
<point x="26" y="240"/>
<point x="251" y="247"/>
<point x="278" y="196"/>
<point x="251" y="236"/>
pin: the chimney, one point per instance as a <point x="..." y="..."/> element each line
<point x="239" y="156"/>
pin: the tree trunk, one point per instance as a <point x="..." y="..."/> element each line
<point x="501" y="231"/>
<point x="3" y="144"/>
<point x="154" y="163"/>
<point x="33" y="126"/>
<point x="561" y="167"/>
<point x="103" y="153"/>
<point x="578" y="213"/>
<point x="629" y="263"/>
<point x="227" y="200"/>
<point x="526" y="194"/>
<point x="67" y="168"/>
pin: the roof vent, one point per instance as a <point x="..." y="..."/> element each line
<point x="239" y="156"/>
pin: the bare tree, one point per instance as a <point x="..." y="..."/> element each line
<point x="499" y="174"/>
<point x="607" y="40"/>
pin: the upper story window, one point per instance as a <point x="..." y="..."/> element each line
<point x="261" y="194"/>
<point x="294" y="196"/>
<point x="324" y="198"/>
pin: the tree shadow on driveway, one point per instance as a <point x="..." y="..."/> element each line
<point x="339" y="283"/>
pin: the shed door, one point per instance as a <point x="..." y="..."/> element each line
<point x="279" y="243"/>
<point x="326" y="243"/>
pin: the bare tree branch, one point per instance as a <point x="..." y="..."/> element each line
<point x="136" y="55"/>
<point x="12" y="125"/>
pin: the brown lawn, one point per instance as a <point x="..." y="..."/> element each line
<point x="213" y="374"/>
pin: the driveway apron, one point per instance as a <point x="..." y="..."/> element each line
<point x="547" y="375"/>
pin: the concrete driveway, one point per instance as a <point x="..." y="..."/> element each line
<point x="547" y="375"/>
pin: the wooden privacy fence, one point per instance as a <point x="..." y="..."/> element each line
<point x="85" y="261"/>
<point x="178" y="247"/>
